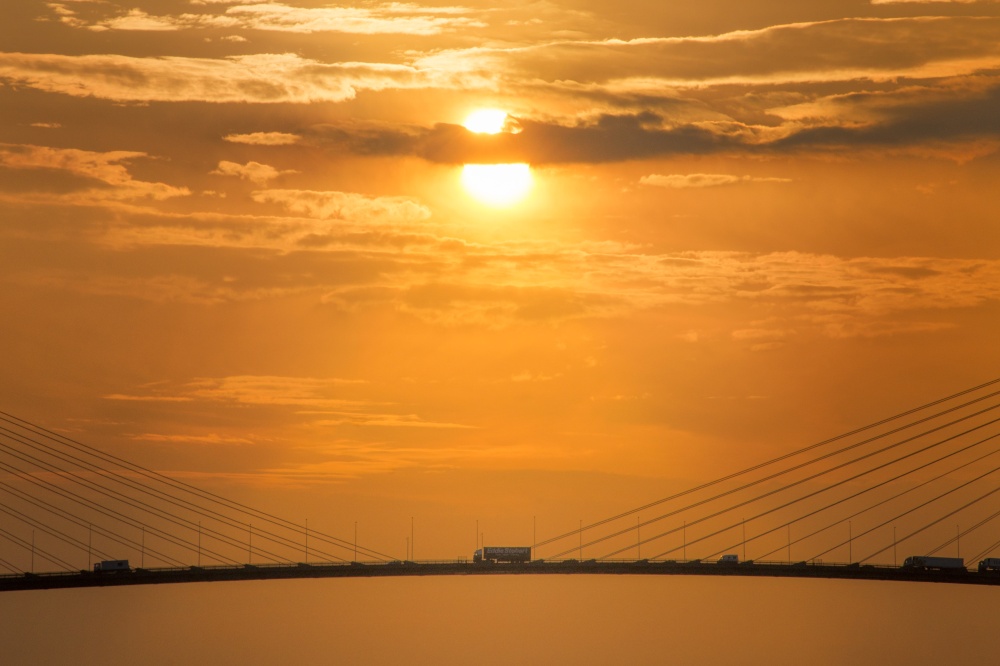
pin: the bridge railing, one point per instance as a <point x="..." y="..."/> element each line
<point x="458" y="561"/>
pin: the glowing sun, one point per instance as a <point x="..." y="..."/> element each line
<point x="497" y="184"/>
<point x="486" y="121"/>
<point x="494" y="184"/>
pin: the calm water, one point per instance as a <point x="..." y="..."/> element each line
<point x="506" y="620"/>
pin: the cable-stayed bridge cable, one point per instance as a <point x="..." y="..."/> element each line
<point x="824" y="489"/>
<point x="778" y="459"/>
<point x="882" y="502"/>
<point x="907" y="512"/>
<point x="824" y="472"/>
<point x="257" y="514"/>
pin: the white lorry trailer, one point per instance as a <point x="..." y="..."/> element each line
<point x="112" y="565"/>
<point x="505" y="554"/>
<point x="939" y="563"/>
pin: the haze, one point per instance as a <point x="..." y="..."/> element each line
<point x="237" y="245"/>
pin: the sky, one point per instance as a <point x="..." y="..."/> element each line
<point x="242" y="244"/>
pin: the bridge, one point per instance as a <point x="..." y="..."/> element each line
<point x="64" y="580"/>
<point x="898" y="485"/>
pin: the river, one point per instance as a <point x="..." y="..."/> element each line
<point x="505" y="620"/>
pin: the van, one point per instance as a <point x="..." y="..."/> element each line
<point x="729" y="559"/>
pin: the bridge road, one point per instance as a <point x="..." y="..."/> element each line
<point x="64" y="580"/>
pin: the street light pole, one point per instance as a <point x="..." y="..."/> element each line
<point x="638" y="540"/>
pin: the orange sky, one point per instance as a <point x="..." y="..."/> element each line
<point x="235" y="245"/>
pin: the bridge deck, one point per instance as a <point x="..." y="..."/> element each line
<point x="43" y="581"/>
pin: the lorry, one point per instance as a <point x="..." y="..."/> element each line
<point x="928" y="562"/>
<point x="112" y="565"/>
<point x="505" y="554"/>
<point x="989" y="564"/>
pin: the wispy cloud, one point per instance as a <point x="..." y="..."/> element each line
<point x="264" y="138"/>
<point x="111" y="178"/>
<point x="316" y="403"/>
<point x="345" y="205"/>
<point x="387" y="421"/>
<point x="299" y="392"/>
<point x="260" y="78"/>
<point x="380" y="258"/>
<point x="255" y="172"/>
<point x="698" y="180"/>
<point x="212" y="439"/>
<point x="374" y="19"/>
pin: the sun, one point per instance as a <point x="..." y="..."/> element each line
<point x="498" y="185"/>
<point x="486" y="121"/>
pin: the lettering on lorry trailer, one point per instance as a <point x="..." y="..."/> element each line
<point x="506" y="554"/>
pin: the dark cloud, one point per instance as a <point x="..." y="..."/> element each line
<point x="898" y="123"/>
<point x="612" y="138"/>
<point x="910" y="125"/>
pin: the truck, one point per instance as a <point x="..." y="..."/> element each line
<point x="989" y="564"/>
<point x="928" y="562"/>
<point x="505" y="554"/>
<point x="112" y="565"/>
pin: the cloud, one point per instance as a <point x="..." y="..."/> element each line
<point x="134" y="19"/>
<point x="830" y="85"/>
<point x="698" y="180"/>
<point x="585" y="283"/>
<point x="264" y="138"/>
<point x="610" y="138"/>
<point x="255" y="172"/>
<point x="375" y="19"/>
<point x="113" y="181"/>
<point x="954" y="122"/>
<point x="298" y="392"/>
<point x="261" y="78"/>
<point x="210" y="439"/>
<point x="526" y="376"/>
<point x="348" y="458"/>
<point x="387" y="421"/>
<point x="379" y="254"/>
<point x="927" y="85"/>
<point x="391" y="18"/>
<point x="326" y="205"/>
<point x="762" y="339"/>
<point x="841" y="50"/>
<point x="316" y="402"/>
<point x="146" y="398"/>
